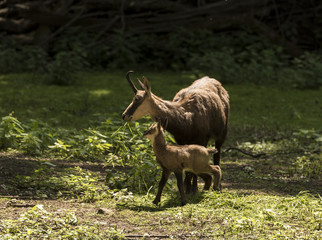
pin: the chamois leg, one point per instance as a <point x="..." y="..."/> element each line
<point x="216" y="171"/>
<point x="187" y="181"/>
<point x="165" y="176"/>
<point x="194" y="184"/>
<point x="218" y="145"/>
<point x="180" y="187"/>
<point x="208" y="179"/>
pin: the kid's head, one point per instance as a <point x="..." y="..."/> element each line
<point x="153" y="131"/>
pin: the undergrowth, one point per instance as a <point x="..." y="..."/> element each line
<point x="48" y="182"/>
<point x="114" y="143"/>
<point x="122" y="145"/>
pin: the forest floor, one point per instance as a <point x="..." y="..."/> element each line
<point x="132" y="216"/>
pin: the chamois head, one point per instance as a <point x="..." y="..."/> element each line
<point x="153" y="131"/>
<point x="140" y="105"/>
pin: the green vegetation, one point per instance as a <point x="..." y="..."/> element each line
<point x="84" y="174"/>
<point x="96" y="96"/>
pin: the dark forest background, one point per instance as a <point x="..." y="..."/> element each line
<point x="251" y="40"/>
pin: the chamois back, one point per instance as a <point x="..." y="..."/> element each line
<point x="207" y="103"/>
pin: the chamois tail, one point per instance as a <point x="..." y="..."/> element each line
<point x="212" y="150"/>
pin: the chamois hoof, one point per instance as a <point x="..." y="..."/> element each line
<point x="156" y="202"/>
<point x="191" y="191"/>
<point x="194" y="191"/>
<point x="217" y="189"/>
<point x="188" y="191"/>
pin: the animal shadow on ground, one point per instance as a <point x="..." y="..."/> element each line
<point x="172" y="201"/>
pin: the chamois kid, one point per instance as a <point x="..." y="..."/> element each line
<point x="172" y="158"/>
<point x="196" y="114"/>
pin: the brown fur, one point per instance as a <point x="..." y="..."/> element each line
<point x="196" y="114"/>
<point x="193" y="158"/>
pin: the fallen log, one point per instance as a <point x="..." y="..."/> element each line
<point x="16" y="26"/>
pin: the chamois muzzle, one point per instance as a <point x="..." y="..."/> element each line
<point x="126" y="117"/>
<point x="145" y="133"/>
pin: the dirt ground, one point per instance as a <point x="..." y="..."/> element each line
<point x="17" y="164"/>
<point x="13" y="205"/>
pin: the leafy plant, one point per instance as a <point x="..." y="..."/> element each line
<point x="32" y="139"/>
<point x="308" y="166"/>
<point x="11" y="131"/>
<point x="61" y="148"/>
<point x="310" y="163"/>
<point x="132" y="151"/>
<point x="47" y="182"/>
<point x="36" y="138"/>
<point x="123" y="146"/>
<point x="31" y="144"/>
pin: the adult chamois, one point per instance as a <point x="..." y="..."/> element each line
<point x="178" y="158"/>
<point x="195" y="115"/>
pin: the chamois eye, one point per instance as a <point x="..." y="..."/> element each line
<point x="138" y="98"/>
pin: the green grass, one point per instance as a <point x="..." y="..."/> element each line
<point x="234" y="215"/>
<point x="277" y="196"/>
<point x="96" y="96"/>
<point x="271" y="107"/>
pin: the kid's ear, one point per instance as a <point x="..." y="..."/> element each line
<point x="165" y="123"/>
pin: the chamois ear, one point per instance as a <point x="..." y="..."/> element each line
<point x="147" y="86"/>
<point x="141" y="84"/>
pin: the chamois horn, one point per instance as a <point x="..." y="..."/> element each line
<point x="130" y="81"/>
